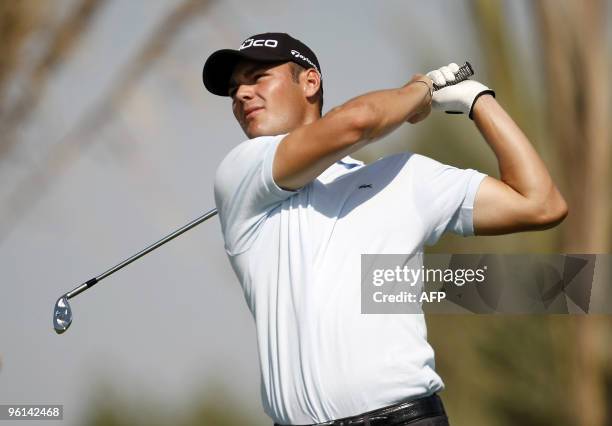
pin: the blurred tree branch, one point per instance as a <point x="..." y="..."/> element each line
<point x="500" y="57"/>
<point x="573" y="38"/>
<point x="62" y="44"/>
<point x="17" y="22"/>
<point x="66" y="151"/>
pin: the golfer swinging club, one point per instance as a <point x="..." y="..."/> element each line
<point x="297" y="212"/>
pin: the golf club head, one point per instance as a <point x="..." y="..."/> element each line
<point x="62" y="315"/>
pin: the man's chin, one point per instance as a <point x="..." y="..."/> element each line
<point x="255" y="133"/>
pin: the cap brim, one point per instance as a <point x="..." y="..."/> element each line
<point x="220" y="65"/>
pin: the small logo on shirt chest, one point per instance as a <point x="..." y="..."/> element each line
<point x="365" y="185"/>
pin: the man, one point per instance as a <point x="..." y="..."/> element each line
<point x="297" y="212"/>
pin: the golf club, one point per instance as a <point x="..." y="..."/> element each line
<point x="62" y="314"/>
<point x="465" y="71"/>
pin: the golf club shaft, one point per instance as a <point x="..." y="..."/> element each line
<point x="95" y="280"/>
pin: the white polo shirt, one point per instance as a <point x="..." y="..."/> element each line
<point x="297" y="256"/>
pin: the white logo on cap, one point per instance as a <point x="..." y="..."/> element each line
<point x="258" y="43"/>
<point x="299" y="55"/>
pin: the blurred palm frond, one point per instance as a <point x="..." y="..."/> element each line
<point x="63" y="153"/>
<point x="21" y="16"/>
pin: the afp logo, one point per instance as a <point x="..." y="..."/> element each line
<point x="257" y="43"/>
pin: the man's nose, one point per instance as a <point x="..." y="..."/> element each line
<point x="244" y="92"/>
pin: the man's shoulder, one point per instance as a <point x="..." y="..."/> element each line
<point x="246" y="153"/>
<point x="251" y="146"/>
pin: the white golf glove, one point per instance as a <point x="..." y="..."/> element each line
<point x="458" y="98"/>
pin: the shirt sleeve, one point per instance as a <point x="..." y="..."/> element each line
<point x="444" y="197"/>
<point x="245" y="191"/>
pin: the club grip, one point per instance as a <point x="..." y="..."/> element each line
<point x="465" y="72"/>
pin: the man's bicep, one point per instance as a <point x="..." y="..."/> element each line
<point x="499" y="209"/>
<point x="306" y="152"/>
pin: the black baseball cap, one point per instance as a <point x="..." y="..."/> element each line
<point x="265" y="47"/>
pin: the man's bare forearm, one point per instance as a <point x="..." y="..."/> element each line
<point x="309" y="150"/>
<point x="388" y="109"/>
<point x="520" y="166"/>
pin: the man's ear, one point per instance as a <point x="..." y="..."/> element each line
<point x="311" y="82"/>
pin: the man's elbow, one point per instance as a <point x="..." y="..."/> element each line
<point x="552" y="212"/>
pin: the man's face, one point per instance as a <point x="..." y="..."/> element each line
<point x="265" y="99"/>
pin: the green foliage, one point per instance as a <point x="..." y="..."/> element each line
<point x="214" y="406"/>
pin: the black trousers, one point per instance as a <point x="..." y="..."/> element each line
<point x="431" y="421"/>
<point x="427" y="411"/>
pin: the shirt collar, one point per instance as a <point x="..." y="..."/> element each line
<point x="350" y="162"/>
